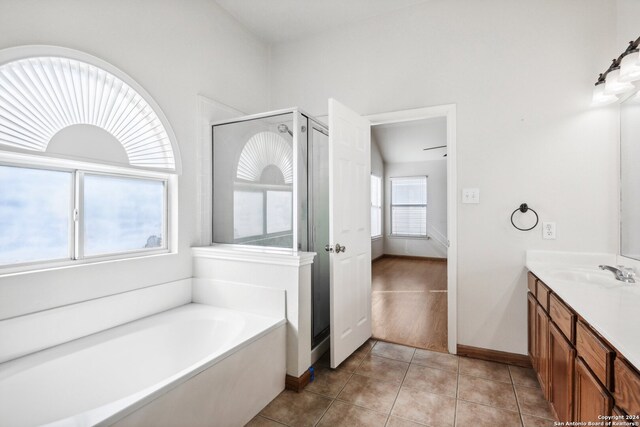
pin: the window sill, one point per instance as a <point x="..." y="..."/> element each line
<point x="396" y="236"/>
<point x="41" y="267"/>
<point x="375" y="238"/>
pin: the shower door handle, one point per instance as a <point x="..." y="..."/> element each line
<point x="337" y="249"/>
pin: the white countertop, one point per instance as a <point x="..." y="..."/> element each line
<point x="610" y="307"/>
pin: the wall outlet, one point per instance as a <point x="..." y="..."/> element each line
<point x="470" y="195"/>
<point x="549" y="230"/>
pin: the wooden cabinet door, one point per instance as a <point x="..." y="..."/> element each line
<point x="531" y="327"/>
<point x="561" y="360"/>
<point x="542" y="349"/>
<point x="591" y="399"/>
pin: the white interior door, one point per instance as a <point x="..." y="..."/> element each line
<point x="349" y="230"/>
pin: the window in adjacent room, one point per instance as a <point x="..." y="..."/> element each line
<point x="376" y="206"/>
<point x="409" y="206"/>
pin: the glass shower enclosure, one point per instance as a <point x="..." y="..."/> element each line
<point x="271" y="189"/>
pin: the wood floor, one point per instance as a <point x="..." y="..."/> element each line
<point x="409" y="302"/>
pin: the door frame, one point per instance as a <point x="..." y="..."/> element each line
<point x="449" y="112"/>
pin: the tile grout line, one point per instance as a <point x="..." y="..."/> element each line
<point x="515" y="393"/>
<point x="400" y="388"/>
<point x="455" y="409"/>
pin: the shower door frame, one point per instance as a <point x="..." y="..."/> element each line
<point x="313" y="123"/>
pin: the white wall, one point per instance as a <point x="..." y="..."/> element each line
<point x="521" y="75"/>
<point x="377" y="169"/>
<point x="175" y="50"/>
<point x="436" y="170"/>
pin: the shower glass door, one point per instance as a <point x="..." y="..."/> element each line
<point x="253" y="182"/>
<point x="319" y="229"/>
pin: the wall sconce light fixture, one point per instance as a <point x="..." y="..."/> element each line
<point x="618" y="77"/>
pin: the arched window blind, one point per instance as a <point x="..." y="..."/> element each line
<point x="39" y="96"/>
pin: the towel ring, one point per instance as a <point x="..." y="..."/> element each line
<point x="524" y="208"/>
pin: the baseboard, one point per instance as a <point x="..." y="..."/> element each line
<point x="297" y="384"/>
<point x="419" y="258"/>
<point x="494" y="356"/>
<point x="378" y="258"/>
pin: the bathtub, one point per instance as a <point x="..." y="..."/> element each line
<point x="192" y="365"/>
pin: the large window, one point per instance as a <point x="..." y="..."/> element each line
<point x="35" y="215"/>
<point x="409" y="206"/>
<point x="376" y="206"/>
<point x="57" y="215"/>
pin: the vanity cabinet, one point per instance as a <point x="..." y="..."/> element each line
<point x="591" y="398"/>
<point x="542" y="349"/>
<point x="531" y="322"/>
<point x="582" y="376"/>
<point x="562" y="357"/>
<point x="626" y="387"/>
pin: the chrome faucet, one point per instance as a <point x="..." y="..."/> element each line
<point x="622" y="273"/>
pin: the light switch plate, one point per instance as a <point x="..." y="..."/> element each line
<point x="470" y="195"/>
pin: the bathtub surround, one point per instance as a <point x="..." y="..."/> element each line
<point x="34" y="332"/>
<point x="213" y="266"/>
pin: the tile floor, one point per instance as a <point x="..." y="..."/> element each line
<point x="385" y="384"/>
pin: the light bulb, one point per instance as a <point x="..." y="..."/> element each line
<point x="630" y="67"/>
<point x="600" y="98"/>
<point x="613" y="85"/>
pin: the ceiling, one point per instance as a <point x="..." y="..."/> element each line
<point x="405" y="141"/>
<point x="283" y="20"/>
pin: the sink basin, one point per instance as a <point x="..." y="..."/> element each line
<point x="595" y="276"/>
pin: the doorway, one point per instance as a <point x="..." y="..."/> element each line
<point x="414" y="253"/>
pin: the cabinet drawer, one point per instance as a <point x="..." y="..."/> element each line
<point x="595" y="353"/>
<point x="531" y="283"/>
<point x="542" y="295"/>
<point x="563" y="317"/>
<point x="627" y="388"/>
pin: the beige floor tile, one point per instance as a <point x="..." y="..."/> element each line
<point x="399" y="422"/>
<point x="296" y="409"/>
<point x="432" y="380"/>
<point x="484" y="369"/>
<point x="351" y="363"/>
<point x="532" y="402"/>
<point x="422" y="407"/>
<point x="383" y="369"/>
<point x="531" y="421"/>
<point x="341" y="414"/>
<point x="370" y="393"/>
<point x="368" y="345"/>
<point x="472" y="414"/>
<point x="262" y="422"/>
<point x="524" y="376"/>
<point x="328" y="381"/>
<point x="434" y="359"/>
<point x="393" y="351"/>
<point x="487" y="392"/>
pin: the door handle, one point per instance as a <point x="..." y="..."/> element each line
<point x="337" y="248"/>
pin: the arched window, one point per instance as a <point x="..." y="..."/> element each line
<point x="86" y="160"/>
